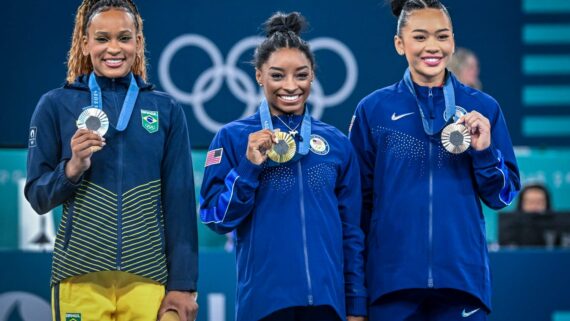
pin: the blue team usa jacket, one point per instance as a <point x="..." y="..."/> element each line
<point x="134" y="209"/>
<point x="297" y="225"/>
<point x="421" y="204"/>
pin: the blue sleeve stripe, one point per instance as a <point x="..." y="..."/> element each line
<point x="217" y="214"/>
<point x="505" y="195"/>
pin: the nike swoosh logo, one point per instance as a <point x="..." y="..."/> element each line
<point x="396" y="117"/>
<point x="466" y="314"/>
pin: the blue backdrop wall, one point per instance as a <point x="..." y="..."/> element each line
<point x="200" y="51"/>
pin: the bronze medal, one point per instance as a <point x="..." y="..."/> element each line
<point x="455" y="138"/>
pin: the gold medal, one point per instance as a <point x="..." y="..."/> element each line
<point x="93" y="119"/>
<point x="455" y="138"/>
<point x="285" y="148"/>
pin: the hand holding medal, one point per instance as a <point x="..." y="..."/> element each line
<point x="83" y="143"/>
<point x="259" y="144"/>
<point x="479" y="128"/>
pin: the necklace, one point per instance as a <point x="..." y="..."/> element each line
<point x="292" y="131"/>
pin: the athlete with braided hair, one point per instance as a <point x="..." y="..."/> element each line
<point x="116" y="154"/>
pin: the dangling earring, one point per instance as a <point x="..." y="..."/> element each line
<point x="260" y="84"/>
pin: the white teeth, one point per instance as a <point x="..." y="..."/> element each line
<point x="290" y="98"/>
<point x="114" y="61"/>
<point x="432" y="59"/>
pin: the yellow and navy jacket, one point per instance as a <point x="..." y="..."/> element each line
<point x="298" y="238"/>
<point x="134" y="209"/>
<point x="422" y="211"/>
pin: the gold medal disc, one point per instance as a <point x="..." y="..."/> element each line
<point x="285" y="148"/>
<point x="455" y="138"/>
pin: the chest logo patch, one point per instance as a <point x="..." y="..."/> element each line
<point x="149" y="120"/>
<point x="73" y="317"/>
<point x="319" y="145"/>
<point x="398" y="117"/>
<point x="33" y="137"/>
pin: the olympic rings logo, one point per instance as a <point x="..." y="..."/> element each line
<point x="209" y="82"/>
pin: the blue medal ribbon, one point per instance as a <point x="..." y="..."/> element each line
<point x="448" y="94"/>
<point x="304" y="143"/>
<point x="128" y="104"/>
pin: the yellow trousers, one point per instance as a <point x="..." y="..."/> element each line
<point x="106" y="296"/>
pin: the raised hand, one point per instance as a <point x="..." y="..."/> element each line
<point x="258" y="144"/>
<point x="480" y="129"/>
<point x="83" y="143"/>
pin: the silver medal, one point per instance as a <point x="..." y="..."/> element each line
<point x="93" y="119"/>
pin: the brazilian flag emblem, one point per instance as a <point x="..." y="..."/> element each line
<point x="149" y="121"/>
<point x="73" y="317"/>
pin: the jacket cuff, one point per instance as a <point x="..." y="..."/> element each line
<point x="248" y="170"/>
<point x="67" y="183"/>
<point x="181" y="285"/>
<point x="356" y="306"/>
<point x="485" y="158"/>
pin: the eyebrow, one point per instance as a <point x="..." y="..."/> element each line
<point x="425" y="31"/>
<point x="105" y="33"/>
<point x="283" y="69"/>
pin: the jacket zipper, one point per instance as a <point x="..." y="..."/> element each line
<point x="304" y="228"/>
<point x="119" y="190"/>
<point x="430" y="209"/>
<point x="430" y="100"/>
<point x="430" y="218"/>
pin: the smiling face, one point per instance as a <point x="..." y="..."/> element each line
<point x="427" y="41"/>
<point x="286" y="79"/>
<point x="112" y="43"/>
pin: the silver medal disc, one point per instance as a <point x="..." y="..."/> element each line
<point x="455" y="138"/>
<point x="93" y="119"/>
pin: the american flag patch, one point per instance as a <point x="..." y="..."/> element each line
<point x="214" y="157"/>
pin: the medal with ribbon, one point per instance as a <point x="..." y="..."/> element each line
<point x="286" y="148"/>
<point x="455" y="137"/>
<point x="95" y="119"/>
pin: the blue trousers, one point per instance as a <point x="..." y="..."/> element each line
<point x="427" y="305"/>
<point x="305" y="313"/>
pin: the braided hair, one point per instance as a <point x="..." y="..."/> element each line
<point x="77" y="62"/>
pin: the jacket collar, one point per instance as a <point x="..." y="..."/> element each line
<point x="401" y="85"/>
<point x="82" y="82"/>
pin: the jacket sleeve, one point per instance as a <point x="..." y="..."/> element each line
<point x="349" y="205"/>
<point x="179" y="206"/>
<point x="46" y="184"/>
<point x="495" y="168"/>
<point x="228" y="190"/>
<point x="363" y="143"/>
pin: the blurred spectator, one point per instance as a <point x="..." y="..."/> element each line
<point x="465" y="66"/>
<point x="534" y="198"/>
